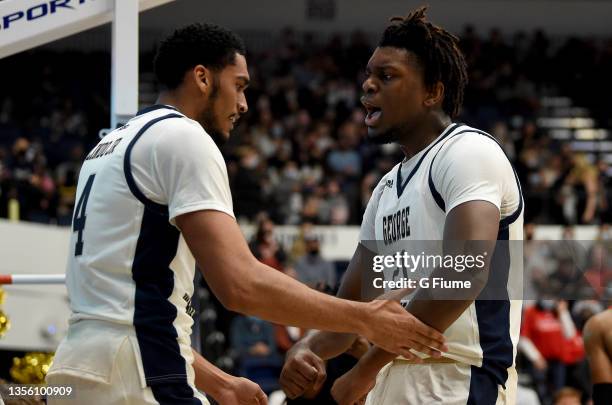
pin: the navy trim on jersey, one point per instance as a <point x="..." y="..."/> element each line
<point x="401" y="186"/>
<point x="483" y="389"/>
<point x="504" y="223"/>
<point x="434" y="192"/>
<point x="127" y="167"/>
<point x="155" y="107"/>
<point x="493" y="314"/>
<point x="164" y="366"/>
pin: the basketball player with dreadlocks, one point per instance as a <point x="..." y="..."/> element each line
<point x="455" y="184"/>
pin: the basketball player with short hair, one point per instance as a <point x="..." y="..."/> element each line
<point x="153" y="199"/>
<point x="455" y="184"/>
<point x="598" y="344"/>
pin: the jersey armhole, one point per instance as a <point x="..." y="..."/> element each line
<point x="503" y="223"/>
<point x="127" y="168"/>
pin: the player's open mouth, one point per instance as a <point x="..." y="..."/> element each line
<point x="373" y="116"/>
<point x="373" y="112"/>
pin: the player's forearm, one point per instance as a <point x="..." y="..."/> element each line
<point x="439" y="314"/>
<point x="290" y="302"/>
<point x="328" y="345"/>
<point x="373" y="361"/>
<point x="209" y="378"/>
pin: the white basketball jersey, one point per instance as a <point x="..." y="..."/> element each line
<point x="128" y="263"/>
<point x="410" y="204"/>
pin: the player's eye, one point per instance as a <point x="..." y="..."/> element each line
<point x="386" y="77"/>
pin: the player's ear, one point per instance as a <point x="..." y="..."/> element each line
<point x="202" y="77"/>
<point x="435" y="95"/>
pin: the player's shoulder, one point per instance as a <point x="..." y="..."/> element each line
<point x="467" y="141"/>
<point x="186" y="135"/>
<point x="599" y="323"/>
<point x="181" y="125"/>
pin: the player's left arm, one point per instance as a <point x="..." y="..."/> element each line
<point x="223" y="387"/>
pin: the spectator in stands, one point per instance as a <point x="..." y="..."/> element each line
<point x="253" y="341"/>
<point x="335" y="210"/>
<point x="287" y="195"/>
<point x="599" y="273"/>
<point x="265" y="247"/>
<point x="252" y="337"/>
<point x="579" y="192"/>
<point x="314" y="270"/>
<point x="550" y="341"/>
<point x="298" y="247"/>
<point x="344" y="159"/>
<point x="249" y="200"/>
<point x="569" y="281"/>
<point x="67" y="174"/>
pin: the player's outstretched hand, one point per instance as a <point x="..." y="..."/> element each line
<point x="389" y="326"/>
<point x="241" y="391"/>
<point x="303" y="373"/>
<point x="352" y="388"/>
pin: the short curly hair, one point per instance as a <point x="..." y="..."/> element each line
<point x="196" y="44"/>
<point x="437" y="51"/>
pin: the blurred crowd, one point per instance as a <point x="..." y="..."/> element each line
<point x="301" y="153"/>
<point x="300" y="157"/>
<point x="566" y="283"/>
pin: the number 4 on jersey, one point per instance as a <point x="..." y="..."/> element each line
<point x="78" y="222"/>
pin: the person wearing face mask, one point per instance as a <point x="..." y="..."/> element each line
<point x="548" y="339"/>
<point x="312" y="269"/>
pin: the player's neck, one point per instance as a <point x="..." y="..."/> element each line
<point x="176" y="100"/>
<point x="421" y="136"/>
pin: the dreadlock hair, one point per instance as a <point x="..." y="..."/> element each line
<point x="206" y="44"/>
<point x="437" y="51"/>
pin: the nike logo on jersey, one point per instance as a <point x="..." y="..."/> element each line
<point x="395" y="226"/>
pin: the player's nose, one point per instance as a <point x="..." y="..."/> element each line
<point x="243" y="106"/>
<point x="368" y="86"/>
